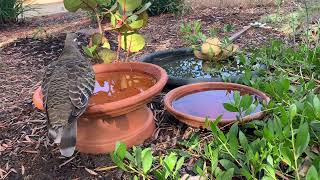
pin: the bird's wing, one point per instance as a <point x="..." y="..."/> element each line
<point x="46" y="81"/>
<point x="82" y="81"/>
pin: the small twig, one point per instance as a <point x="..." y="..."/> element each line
<point x="66" y="162"/>
<point x="278" y="173"/>
<point x="105" y="168"/>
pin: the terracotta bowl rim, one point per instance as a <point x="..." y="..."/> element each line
<point x="188" y="89"/>
<point x="161" y="77"/>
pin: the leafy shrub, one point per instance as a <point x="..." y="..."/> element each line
<point x="166" y="6"/>
<point x="10" y="10"/>
<point x="126" y="17"/>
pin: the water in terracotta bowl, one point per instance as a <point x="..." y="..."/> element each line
<point x="193" y="103"/>
<point x="116" y="86"/>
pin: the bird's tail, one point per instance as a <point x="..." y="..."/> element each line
<point x="68" y="139"/>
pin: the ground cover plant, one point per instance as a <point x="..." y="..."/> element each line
<point x="283" y="146"/>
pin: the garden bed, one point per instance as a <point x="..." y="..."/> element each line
<point x="24" y="149"/>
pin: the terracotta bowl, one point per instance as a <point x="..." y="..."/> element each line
<point x="99" y="135"/>
<point x="123" y="106"/>
<point x="205" y="86"/>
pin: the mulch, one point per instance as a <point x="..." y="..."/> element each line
<point x="24" y="149"/>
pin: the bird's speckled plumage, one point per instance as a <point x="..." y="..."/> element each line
<point x="67" y="85"/>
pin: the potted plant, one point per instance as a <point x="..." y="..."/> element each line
<point x="117" y="111"/>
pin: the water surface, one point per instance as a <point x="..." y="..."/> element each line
<point x="115" y="86"/>
<point x="207" y="104"/>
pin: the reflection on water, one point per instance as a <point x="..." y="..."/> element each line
<point x="189" y="67"/>
<point x="208" y="104"/>
<point x="115" y="86"/>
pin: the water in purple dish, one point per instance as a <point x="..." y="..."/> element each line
<point x="208" y="104"/>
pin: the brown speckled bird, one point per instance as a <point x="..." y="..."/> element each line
<point x="67" y="85"/>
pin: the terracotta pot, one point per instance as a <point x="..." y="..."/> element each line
<point x="99" y="135"/>
<point x="128" y="120"/>
<point x="198" y="87"/>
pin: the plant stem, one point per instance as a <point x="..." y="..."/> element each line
<point x="99" y="22"/>
<point x="119" y="46"/>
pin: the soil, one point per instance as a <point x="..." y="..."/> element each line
<point x="24" y="149"/>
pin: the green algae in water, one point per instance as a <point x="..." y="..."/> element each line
<point x="191" y="67"/>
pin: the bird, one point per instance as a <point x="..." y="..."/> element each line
<point x="67" y="86"/>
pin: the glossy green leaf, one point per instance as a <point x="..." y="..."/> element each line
<point x="120" y="150"/>
<point x="144" y="8"/>
<point x="312" y="174"/>
<point x="132" y="42"/>
<point x="229" y="107"/>
<point x="243" y="140"/>
<point x="236" y="98"/>
<point x="140" y="21"/>
<point x="302" y="139"/>
<point x="146" y="160"/>
<point x="246" y="101"/>
<point x="292" y="111"/>
<point x="179" y="164"/>
<point x="129" y="5"/>
<point x="119" y="162"/>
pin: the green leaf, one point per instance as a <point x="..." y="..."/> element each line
<point x="236" y="98"/>
<point x="115" y="158"/>
<point x="316" y="105"/>
<point x="233" y="140"/>
<point x="229" y="107"/>
<point x="146" y="160"/>
<point x="286" y="155"/>
<point x="160" y="175"/>
<point x="243" y="140"/>
<point x="246" y="101"/>
<point x="137" y="154"/>
<point x="312" y="174"/>
<point x="179" y="164"/>
<point x="302" y="139"/>
<point x="120" y="150"/>
<point x="227" y="164"/>
<point x="144" y="8"/>
<point x="292" y="111"/>
<point x="171" y="161"/>
<point x="227" y="175"/>
<point x="245" y="172"/>
<point x="107" y="55"/>
<point x="87" y="51"/>
<point x="129" y="5"/>
<point x="140" y="22"/>
<point x="132" y="42"/>
<point x="72" y="5"/>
